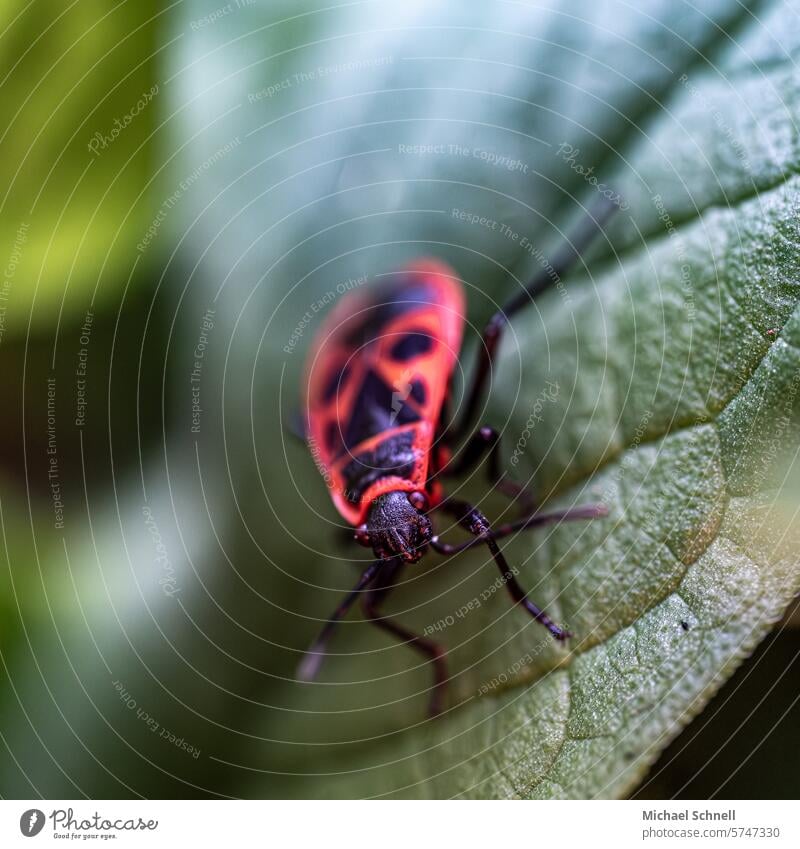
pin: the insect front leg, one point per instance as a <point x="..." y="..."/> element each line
<point x="526" y="523"/>
<point x="472" y="520"/>
<point x="435" y="653"/>
<point x="309" y="666"/>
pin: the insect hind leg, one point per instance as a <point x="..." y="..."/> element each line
<point x="570" y="252"/>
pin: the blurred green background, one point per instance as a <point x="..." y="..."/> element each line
<point x="180" y="184"/>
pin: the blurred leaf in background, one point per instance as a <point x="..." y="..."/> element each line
<point x="82" y="155"/>
<point x="295" y="150"/>
<point x="80" y="93"/>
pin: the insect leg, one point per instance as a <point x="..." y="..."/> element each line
<point x="433" y="651"/>
<point x="309" y="666"/>
<point x="534" y="520"/>
<point x="569" y="252"/>
<point x="486" y="440"/>
<point x="477" y="524"/>
<point x="295" y="426"/>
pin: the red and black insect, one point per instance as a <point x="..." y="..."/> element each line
<point x="376" y="388"/>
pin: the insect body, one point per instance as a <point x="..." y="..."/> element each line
<point x="376" y="389"/>
<point x="378" y="378"/>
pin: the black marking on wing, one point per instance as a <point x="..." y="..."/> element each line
<point x="335" y="382"/>
<point x="412" y="344"/>
<point x="333" y="441"/>
<point x="418" y="392"/>
<point x="377" y="409"/>
<point x="393" y="456"/>
<point x="392" y="300"/>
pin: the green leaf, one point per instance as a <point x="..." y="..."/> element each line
<point x="80" y="93"/>
<point x="742" y="732"/>
<point x="677" y="369"/>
